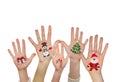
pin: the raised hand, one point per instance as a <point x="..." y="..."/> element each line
<point x="93" y="63"/>
<point x="76" y="46"/>
<point x="43" y="47"/>
<point x="58" y="59"/>
<point x="44" y="51"/>
<point x="75" y="49"/>
<point x="20" y="59"/>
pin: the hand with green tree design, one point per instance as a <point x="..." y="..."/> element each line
<point x="75" y="49"/>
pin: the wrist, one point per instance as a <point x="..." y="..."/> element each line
<point x="23" y="75"/>
<point x="41" y="71"/>
<point x="56" y="76"/>
<point x="74" y="69"/>
<point x="96" y="77"/>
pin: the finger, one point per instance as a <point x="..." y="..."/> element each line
<point x="85" y="41"/>
<point x="56" y="47"/>
<point x="84" y="60"/>
<point x="18" y="45"/>
<point x="66" y="60"/>
<point x="77" y="34"/>
<point x="65" y="45"/>
<point x="49" y="34"/>
<point x="62" y="51"/>
<point x="32" y="56"/>
<point x="100" y="45"/>
<point x="11" y="54"/>
<point x="72" y="34"/>
<point x="14" y="48"/>
<point x="81" y="36"/>
<point x="82" y="50"/>
<point x="90" y="43"/>
<point x="43" y="33"/>
<point x="32" y="42"/>
<point x="53" y="60"/>
<point x="23" y="48"/>
<point x="105" y="49"/>
<point x="95" y="42"/>
<point x="38" y="36"/>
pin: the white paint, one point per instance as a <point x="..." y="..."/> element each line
<point x="94" y="60"/>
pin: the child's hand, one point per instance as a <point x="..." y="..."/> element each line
<point x="93" y="63"/>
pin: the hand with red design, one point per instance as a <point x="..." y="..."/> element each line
<point x="44" y="52"/>
<point x="59" y="61"/>
<point x="93" y="63"/>
<point x="43" y="47"/>
<point x="20" y="59"/>
<point x="75" y="49"/>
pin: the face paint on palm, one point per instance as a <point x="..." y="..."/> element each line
<point x="76" y="49"/>
<point x="45" y="51"/>
<point x="94" y="62"/>
<point x="21" y="60"/>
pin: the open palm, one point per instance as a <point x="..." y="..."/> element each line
<point x="43" y="47"/>
<point x="20" y="59"/>
<point x="93" y="63"/>
<point x="76" y="46"/>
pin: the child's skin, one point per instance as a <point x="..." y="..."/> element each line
<point x="43" y="61"/>
<point x="59" y="61"/>
<point x="20" y="59"/>
<point x="96" y="48"/>
<point x="74" y="72"/>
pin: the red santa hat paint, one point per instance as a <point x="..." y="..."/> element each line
<point x="94" y="55"/>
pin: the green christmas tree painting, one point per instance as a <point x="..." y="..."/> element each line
<point x="76" y="48"/>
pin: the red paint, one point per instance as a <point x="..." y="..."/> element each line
<point x="60" y="60"/>
<point x="94" y="63"/>
<point x="94" y="66"/>
<point x="50" y="48"/>
<point x="20" y="60"/>
<point x="40" y="50"/>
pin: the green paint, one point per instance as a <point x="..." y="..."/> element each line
<point x="76" y="48"/>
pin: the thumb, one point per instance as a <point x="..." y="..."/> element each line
<point x="32" y="56"/>
<point x="84" y="60"/>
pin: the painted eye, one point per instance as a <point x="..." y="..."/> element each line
<point x="45" y="47"/>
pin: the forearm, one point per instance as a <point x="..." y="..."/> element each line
<point x="23" y="75"/>
<point x="56" y="76"/>
<point x="74" y="69"/>
<point x="96" y="77"/>
<point x="41" y="71"/>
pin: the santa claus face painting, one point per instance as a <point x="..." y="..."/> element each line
<point x="94" y="62"/>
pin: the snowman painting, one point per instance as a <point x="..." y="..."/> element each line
<point x="45" y="50"/>
<point x="94" y="62"/>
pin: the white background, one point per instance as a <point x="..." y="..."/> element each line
<point x="19" y="19"/>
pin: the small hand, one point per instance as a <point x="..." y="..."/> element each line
<point x="76" y="47"/>
<point x="93" y="63"/>
<point x="20" y="59"/>
<point x="58" y="59"/>
<point x="43" y="47"/>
